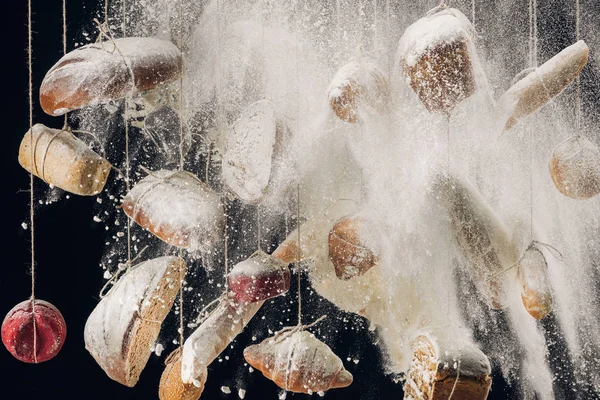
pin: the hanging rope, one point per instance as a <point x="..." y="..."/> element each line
<point x="106" y="12"/>
<point x="299" y="260"/>
<point x="578" y="80"/>
<point x="473" y="12"/>
<point x="31" y="181"/>
<point x="532" y="64"/>
<point x="225" y="250"/>
<point x="181" y="163"/>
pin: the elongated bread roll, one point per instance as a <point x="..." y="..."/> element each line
<point x="347" y="250"/>
<point x="436" y="53"/>
<point x="358" y="86"/>
<point x="100" y="72"/>
<point x="171" y="386"/>
<point x="213" y="336"/>
<point x="62" y="160"/>
<point x="178" y="208"/>
<point x="543" y="84"/>
<point x="482" y="238"/>
<point x="121" y="331"/>
<point x="299" y="362"/>
<point x="440" y="368"/>
<point x="536" y="292"/>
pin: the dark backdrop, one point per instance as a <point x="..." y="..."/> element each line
<point x="70" y="245"/>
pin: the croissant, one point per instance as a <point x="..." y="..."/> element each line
<point x="575" y="168"/>
<point x="172" y="387"/>
<point x="258" y="278"/>
<point x="347" y="250"/>
<point x="298" y="362"/>
<point x="536" y="292"/>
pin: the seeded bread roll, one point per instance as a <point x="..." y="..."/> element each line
<point x="100" y="72"/>
<point x="62" y="160"/>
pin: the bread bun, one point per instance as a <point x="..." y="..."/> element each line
<point x="575" y="168"/>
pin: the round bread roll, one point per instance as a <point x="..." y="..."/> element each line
<point x="536" y="292"/>
<point x="100" y="72"/>
<point x="172" y="387"/>
<point x="575" y="168"/>
<point x="347" y="250"/>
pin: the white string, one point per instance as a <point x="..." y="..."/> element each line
<point x="31" y="181"/>
<point x="299" y="260"/>
<point x="578" y="79"/>
<point x="181" y="110"/>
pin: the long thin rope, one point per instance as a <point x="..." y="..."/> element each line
<point x="225" y="250"/>
<point x="578" y="81"/>
<point x="299" y="260"/>
<point x="181" y="116"/>
<point x="473" y="12"/>
<point x="64" y="43"/>
<point x="31" y="181"/>
<point x="106" y="12"/>
<point x="533" y="64"/>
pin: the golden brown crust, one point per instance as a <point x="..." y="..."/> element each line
<point x="62" y="160"/>
<point x="171" y="386"/>
<point x="347" y="251"/>
<point x="589" y="187"/>
<point x="164" y="232"/>
<point x="443" y="76"/>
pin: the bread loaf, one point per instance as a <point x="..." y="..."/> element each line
<point x="358" y="86"/>
<point x="543" y="84"/>
<point x="298" y="362"/>
<point x="100" y="72"/>
<point x="62" y="160"/>
<point x="121" y="331"/>
<point x="536" y="292"/>
<point x="178" y="208"/>
<point x="575" y="168"/>
<point x="440" y="371"/>
<point x="437" y="53"/>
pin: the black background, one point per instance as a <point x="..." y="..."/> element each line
<point x="69" y="247"/>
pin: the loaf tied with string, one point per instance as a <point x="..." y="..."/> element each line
<point x="575" y="168"/>
<point x="213" y="336"/>
<point x="482" y="238"/>
<point x="62" y="160"/>
<point x="359" y="87"/>
<point x="252" y="145"/>
<point x="122" y="330"/>
<point x="348" y="250"/>
<point x="100" y="72"/>
<point x="178" y="208"/>
<point x="444" y="369"/>
<point x="536" y="291"/>
<point x="437" y="54"/>
<point x="258" y="278"/>
<point x="298" y="362"/>
<point x="171" y="386"/>
<point x="543" y="84"/>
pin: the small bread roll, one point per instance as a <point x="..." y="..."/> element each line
<point x="172" y="387"/>
<point x="178" y="208"/>
<point x="436" y="54"/>
<point x="100" y="72"/>
<point x="121" y="331"/>
<point x="536" y="292"/>
<point x="358" y="86"/>
<point x="347" y="250"/>
<point x="439" y="368"/>
<point x="543" y="84"/>
<point x="575" y="168"/>
<point x="62" y="160"/>
<point x="298" y="362"/>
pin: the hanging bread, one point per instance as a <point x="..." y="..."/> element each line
<point x="440" y="370"/>
<point x="100" y="72"/>
<point x="62" y="160"/>
<point x="357" y="87"/>
<point x="252" y="146"/>
<point x="482" y="238"/>
<point x="437" y="54"/>
<point x="178" y="208"/>
<point x="347" y="249"/>
<point x="259" y="278"/>
<point x="575" y="168"/>
<point x="171" y="386"/>
<point x="213" y="336"/>
<point x="298" y="362"/>
<point x="543" y="84"/>
<point x="536" y="292"/>
<point x="121" y="331"/>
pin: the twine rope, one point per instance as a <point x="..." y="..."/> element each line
<point x="181" y="163"/>
<point x="578" y="79"/>
<point x="31" y="181"/>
